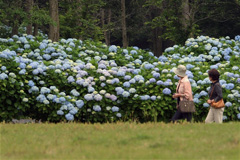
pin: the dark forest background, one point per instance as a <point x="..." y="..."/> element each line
<point x="148" y="24"/>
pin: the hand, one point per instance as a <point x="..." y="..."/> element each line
<point x="175" y="95"/>
<point x="209" y="101"/>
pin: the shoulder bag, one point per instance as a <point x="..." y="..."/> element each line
<point x="187" y="106"/>
<point x="219" y="104"/>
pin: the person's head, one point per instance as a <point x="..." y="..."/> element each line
<point x="180" y="71"/>
<point x="213" y="75"/>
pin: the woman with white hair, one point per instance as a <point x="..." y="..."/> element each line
<point x="183" y="92"/>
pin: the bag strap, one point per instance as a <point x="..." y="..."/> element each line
<point x="213" y="89"/>
<point x="212" y="92"/>
<point x="184" y="92"/>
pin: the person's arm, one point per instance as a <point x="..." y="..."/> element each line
<point x="218" y="90"/>
<point x="187" y="90"/>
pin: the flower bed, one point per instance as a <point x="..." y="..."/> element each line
<point x="90" y="82"/>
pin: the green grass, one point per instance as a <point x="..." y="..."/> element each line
<point x="120" y="141"/>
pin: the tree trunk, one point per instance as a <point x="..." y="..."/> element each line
<point x="108" y="37"/>
<point x="78" y="14"/>
<point x="186" y="17"/>
<point x="29" y="6"/>
<point x="35" y="32"/>
<point x="157" y="42"/>
<point x="54" y="28"/>
<point x="15" y="29"/>
<point x="15" y="25"/>
<point x="105" y="32"/>
<point x="124" y="27"/>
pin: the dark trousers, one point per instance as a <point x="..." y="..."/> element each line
<point x="180" y="115"/>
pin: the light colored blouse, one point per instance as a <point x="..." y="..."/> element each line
<point x="185" y="88"/>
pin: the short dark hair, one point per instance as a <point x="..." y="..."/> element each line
<point x="214" y="74"/>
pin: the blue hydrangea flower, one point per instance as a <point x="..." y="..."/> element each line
<point x="169" y="49"/>
<point x="3" y="68"/>
<point x="145" y="97"/>
<point x="196" y="100"/>
<point x="69" y="117"/>
<point x="62" y="99"/>
<point x="167" y="91"/>
<point x="103" y="84"/>
<point x="125" y="94"/>
<point x="26" y="46"/>
<point x="127" y="77"/>
<point x="41" y="98"/>
<point x="230" y="86"/>
<point x="224" y="118"/>
<point x="133" y="52"/>
<point x="22" y="65"/>
<point x="203" y="93"/>
<point x="119" y="90"/>
<point x="112" y="48"/>
<point x="34" y="89"/>
<point x="60" y="112"/>
<point x="115" y="109"/>
<point x="64" y="107"/>
<point x="132" y="90"/>
<point x="119" y="115"/>
<point x="79" y="103"/>
<point x="126" y="84"/>
<point x="156" y="75"/>
<point x="91" y="89"/>
<point x="153" y="98"/>
<point x="70" y="79"/>
<point x="51" y="96"/>
<point x="216" y="58"/>
<point x="88" y="97"/>
<point x="97" y="108"/>
<point x="205" y="105"/>
<point x="75" y="93"/>
<point x="238" y="115"/>
<point x="152" y="80"/>
<point x="31" y="83"/>
<point x="45" y="90"/>
<point x="73" y="111"/>
<point x="163" y="58"/>
<point x="238" y="80"/>
<point x="214" y="67"/>
<point x="160" y="82"/>
<point x="228" y="104"/>
<point x="189" y="66"/>
<point x="132" y="81"/>
<point x="98" y="97"/>
<point x="148" y="66"/>
<point x="230" y="74"/>
<point x="22" y="72"/>
<point x="136" y="71"/>
<point x="125" y="51"/>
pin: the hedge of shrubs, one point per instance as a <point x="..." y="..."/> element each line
<point x="87" y="81"/>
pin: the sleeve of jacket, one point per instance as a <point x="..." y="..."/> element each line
<point x="218" y="90"/>
<point x="187" y="90"/>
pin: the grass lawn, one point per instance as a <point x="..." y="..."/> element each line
<point x="120" y="141"/>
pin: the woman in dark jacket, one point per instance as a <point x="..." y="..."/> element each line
<point x="214" y="115"/>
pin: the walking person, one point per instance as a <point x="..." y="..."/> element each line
<point x="183" y="91"/>
<point x="215" y="95"/>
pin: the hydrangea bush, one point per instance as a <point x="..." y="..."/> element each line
<point x="90" y="82"/>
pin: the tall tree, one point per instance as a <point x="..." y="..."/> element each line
<point x="185" y="14"/>
<point x="124" y="26"/>
<point x="54" y="28"/>
<point x="29" y="10"/>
